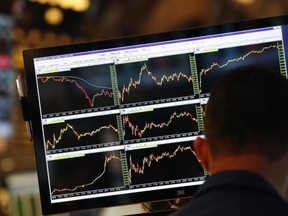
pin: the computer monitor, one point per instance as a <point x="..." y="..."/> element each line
<point x="114" y="121"/>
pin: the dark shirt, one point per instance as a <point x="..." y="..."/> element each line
<point x="235" y="193"/>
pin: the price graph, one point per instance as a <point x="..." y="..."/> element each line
<point x="167" y="162"/>
<point x="157" y="78"/>
<point x="213" y="64"/>
<point x="160" y="122"/>
<point x="78" y="89"/>
<point x="89" y="173"/>
<point x="84" y="133"/>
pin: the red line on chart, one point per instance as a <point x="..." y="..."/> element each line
<point x="73" y="81"/>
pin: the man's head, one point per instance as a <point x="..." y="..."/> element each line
<point x="246" y="125"/>
<point x="248" y="112"/>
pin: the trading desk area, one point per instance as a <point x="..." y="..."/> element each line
<point x="113" y="122"/>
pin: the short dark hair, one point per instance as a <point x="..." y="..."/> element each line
<point x="248" y="111"/>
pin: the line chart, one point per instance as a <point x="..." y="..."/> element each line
<point x="162" y="163"/>
<point x="160" y="122"/>
<point x="158" y="78"/>
<point x="90" y="86"/>
<point x="211" y="65"/>
<point x="93" y="171"/>
<point x="73" y="80"/>
<point x="96" y="131"/>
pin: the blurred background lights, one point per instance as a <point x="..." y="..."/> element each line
<point x="245" y="2"/>
<point x="76" y="5"/>
<point x="53" y="16"/>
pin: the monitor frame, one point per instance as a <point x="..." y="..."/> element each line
<point x="164" y="38"/>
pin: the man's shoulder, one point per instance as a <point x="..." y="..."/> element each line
<point x="235" y="193"/>
<point x="227" y="206"/>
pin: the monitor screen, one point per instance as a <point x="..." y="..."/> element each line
<point x="114" y="121"/>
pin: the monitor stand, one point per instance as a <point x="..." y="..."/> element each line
<point x="162" y="208"/>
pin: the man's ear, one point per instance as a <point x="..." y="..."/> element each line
<point x="203" y="152"/>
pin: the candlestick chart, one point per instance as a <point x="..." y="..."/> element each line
<point x="81" y="133"/>
<point x="160" y="122"/>
<point x="211" y="65"/>
<point x="89" y="173"/>
<point x="167" y="162"/>
<point x="78" y="89"/>
<point x="157" y="78"/>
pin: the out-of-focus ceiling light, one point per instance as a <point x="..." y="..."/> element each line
<point x="245" y="2"/>
<point x="76" y="5"/>
<point x="53" y="16"/>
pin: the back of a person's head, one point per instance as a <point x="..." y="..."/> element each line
<point x="248" y="112"/>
